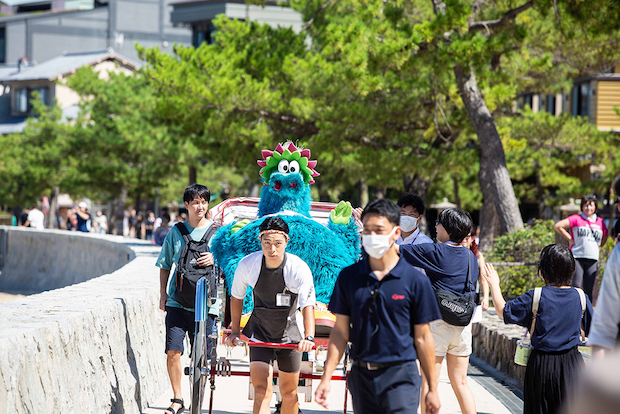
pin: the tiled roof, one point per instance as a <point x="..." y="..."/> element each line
<point x="63" y="65"/>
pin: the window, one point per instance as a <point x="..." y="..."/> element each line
<point x="524" y="100"/>
<point x="203" y="33"/>
<point x="28" y="8"/>
<point x="581" y="99"/>
<point x="2" y="45"/>
<point x="550" y="104"/>
<point x="23" y="98"/>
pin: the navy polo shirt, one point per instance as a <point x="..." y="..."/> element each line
<point x="445" y="264"/>
<point x="383" y="313"/>
<point x="558" y="320"/>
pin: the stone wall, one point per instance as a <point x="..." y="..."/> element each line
<point x="37" y="261"/>
<point x="92" y="347"/>
<point x="496" y="343"/>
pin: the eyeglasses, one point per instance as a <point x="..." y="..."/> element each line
<point x="589" y="197"/>
<point x="437" y="222"/>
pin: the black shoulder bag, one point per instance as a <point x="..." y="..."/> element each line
<point x="457" y="309"/>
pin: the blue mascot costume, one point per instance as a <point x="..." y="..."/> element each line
<point x="287" y="174"/>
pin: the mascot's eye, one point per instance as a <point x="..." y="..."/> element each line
<point x="294" y="167"/>
<point x="283" y="166"/>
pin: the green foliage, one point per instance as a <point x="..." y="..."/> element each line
<point x="521" y="246"/>
<point x="37" y="159"/>
<point x="544" y="153"/>
<point x="122" y="143"/>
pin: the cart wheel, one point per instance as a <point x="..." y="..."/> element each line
<point x="198" y="377"/>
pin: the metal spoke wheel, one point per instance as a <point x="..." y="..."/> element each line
<point x="198" y="368"/>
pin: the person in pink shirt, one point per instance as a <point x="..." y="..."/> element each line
<point x="586" y="234"/>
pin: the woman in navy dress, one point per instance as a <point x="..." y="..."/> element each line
<point x="555" y="361"/>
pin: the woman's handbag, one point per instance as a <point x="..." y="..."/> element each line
<point x="524" y="346"/>
<point x="457" y="309"/>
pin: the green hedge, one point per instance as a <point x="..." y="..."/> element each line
<point x="525" y="246"/>
<point x="521" y="246"/>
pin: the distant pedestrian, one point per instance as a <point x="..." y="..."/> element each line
<point x="23" y="218"/>
<point x="160" y="234"/>
<point x="133" y="219"/>
<point x="149" y="226"/>
<point x="102" y="222"/>
<point x="587" y="234"/>
<point x="35" y="218"/>
<point x="84" y="223"/>
<point x="555" y="360"/>
<point x="139" y="226"/>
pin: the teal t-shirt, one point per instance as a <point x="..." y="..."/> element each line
<point x="169" y="256"/>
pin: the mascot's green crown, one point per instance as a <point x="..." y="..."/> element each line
<point x="273" y="161"/>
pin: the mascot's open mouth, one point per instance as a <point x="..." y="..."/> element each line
<point x="278" y="185"/>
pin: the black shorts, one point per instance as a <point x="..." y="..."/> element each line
<point x="178" y="323"/>
<point x="289" y="360"/>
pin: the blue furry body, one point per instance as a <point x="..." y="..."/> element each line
<point x="326" y="250"/>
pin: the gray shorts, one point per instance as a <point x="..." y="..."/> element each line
<point x="289" y="360"/>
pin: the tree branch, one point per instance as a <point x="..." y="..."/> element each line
<point x="323" y="7"/>
<point x="509" y="16"/>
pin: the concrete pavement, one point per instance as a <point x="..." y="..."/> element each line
<point x="231" y="394"/>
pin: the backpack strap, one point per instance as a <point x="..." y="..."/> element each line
<point x="535" y="303"/>
<point x="186" y="236"/>
<point x="582" y="297"/>
<point x="208" y="233"/>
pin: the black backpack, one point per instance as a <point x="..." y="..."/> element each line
<point x="188" y="272"/>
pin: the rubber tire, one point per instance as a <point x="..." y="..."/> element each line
<point x="199" y="362"/>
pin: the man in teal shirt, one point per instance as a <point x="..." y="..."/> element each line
<point x="180" y="320"/>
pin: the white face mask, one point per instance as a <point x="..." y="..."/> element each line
<point x="408" y="223"/>
<point x="377" y="245"/>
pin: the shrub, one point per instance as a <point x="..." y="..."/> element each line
<point x="521" y="246"/>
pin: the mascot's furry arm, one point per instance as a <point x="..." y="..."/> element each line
<point x="287" y="174"/>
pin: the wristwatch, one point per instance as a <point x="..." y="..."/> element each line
<point x="309" y="338"/>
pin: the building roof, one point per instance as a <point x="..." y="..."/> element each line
<point x="64" y="65"/>
<point x="13" y="124"/>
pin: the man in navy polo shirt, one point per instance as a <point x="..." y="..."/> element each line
<point x="383" y="306"/>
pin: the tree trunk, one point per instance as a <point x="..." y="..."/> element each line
<point x="51" y="216"/>
<point x="120" y="211"/>
<point x="489" y="222"/>
<point x="364" y="199"/>
<point x="323" y="193"/>
<point x="455" y="189"/>
<point x="416" y="184"/>
<point x="192" y="175"/>
<point x="379" y="193"/>
<point x="492" y="155"/>
<point x="255" y="189"/>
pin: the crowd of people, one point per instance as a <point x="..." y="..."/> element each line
<point x="401" y="302"/>
<point x="79" y="218"/>
<point x="422" y="295"/>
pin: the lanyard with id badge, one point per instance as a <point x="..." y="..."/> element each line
<point x="283" y="299"/>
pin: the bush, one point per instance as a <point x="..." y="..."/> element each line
<point x="521" y="246"/>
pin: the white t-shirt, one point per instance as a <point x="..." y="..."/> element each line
<point x="297" y="277"/>
<point x="35" y="217"/>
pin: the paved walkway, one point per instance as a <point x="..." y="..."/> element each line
<point x="231" y="394"/>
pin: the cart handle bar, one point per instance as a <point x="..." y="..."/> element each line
<point x="301" y="375"/>
<point x="272" y="345"/>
